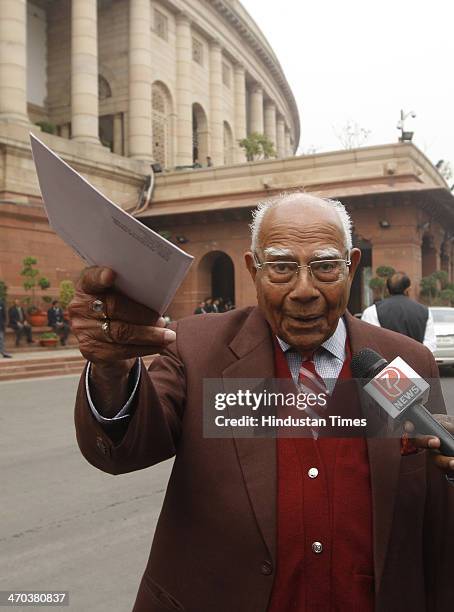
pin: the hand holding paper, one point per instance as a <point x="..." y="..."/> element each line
<point x="130" y="329"/>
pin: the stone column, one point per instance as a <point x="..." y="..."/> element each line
<point x="257" y="109"/>
<point x="13" y="61"/>
<point x="216" y="123"/>
<point x="270" y="122"/>
<point x="118" y="134"/>
<point x="288" y="144"/>
<point x="84" y="71"/>
<point x="183" y="91"/>
<point x="280" y="137"/>
<point x="140" y="135"/>
<point x="64" y="130"/>
<point x="239" y="85"/>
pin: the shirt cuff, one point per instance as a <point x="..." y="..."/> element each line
<point x="123" y="413"/>
<point x="450" y="479"/>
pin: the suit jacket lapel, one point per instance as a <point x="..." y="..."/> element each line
<point x="384" y="461"/>
<point x="253" y="351"/>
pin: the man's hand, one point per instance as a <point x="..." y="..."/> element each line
<point x="133" y="329"/>
<point x="433" y="443"/>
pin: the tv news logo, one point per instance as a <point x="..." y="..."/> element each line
<point x="393" y="383"/>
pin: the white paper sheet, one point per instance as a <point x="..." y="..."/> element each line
<point x="149" y="268"/>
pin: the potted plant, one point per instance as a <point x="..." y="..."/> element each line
<point x="32" y="279"/>
<point x="48" y="339"/>
<point x="3" y="290"/>
<point x="67" y="291"/>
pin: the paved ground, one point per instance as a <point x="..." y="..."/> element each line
<point x="64" y="524"/>
<point x="41" y="354"/>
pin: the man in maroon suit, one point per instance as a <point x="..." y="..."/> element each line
<point x="263" y="524"/>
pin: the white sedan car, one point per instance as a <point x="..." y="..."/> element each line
<point x="444" y="330"/>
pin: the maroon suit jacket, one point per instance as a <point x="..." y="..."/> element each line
<point x="214" y="548"/>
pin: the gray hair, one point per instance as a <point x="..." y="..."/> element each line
<point x="263" y="207"/>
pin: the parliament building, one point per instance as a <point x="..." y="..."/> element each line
<point x="149" y="99"/>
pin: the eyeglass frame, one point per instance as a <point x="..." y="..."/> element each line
<point x="260" y="266"/>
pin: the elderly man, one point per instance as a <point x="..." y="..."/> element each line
<point x="263" y="524"/>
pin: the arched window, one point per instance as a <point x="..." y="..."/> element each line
<point x="228" y="144"/>
<point x="162" y="125"/>
<point x="104" y="89"/>
<point x="199" y="134"/>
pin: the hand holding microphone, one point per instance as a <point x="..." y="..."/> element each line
<point x="400" y="391"/>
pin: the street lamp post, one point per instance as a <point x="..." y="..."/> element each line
<point x="405" y="136"/>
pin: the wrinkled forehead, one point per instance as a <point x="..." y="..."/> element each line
<point x="306" y="220"/>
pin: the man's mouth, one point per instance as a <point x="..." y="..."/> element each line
<point x="306" y="318"/>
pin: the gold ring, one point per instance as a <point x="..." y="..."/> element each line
<point x="105" y="326"/>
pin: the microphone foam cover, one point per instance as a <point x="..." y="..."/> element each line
<point x="364" y="364"/>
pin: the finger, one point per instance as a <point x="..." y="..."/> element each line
<point x="431" y="442"/>
<point x="102" y="352"/>
<point x="122" y="308"/>
<point x="409" y="427"/>
<point x="446" y="420"/>
<point x="96" y="279"/>
<point x="444" y="463"/>
<point x="126" y="333"/>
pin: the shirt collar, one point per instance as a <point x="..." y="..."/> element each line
<point x="335" y="344"/>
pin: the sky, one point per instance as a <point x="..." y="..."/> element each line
<point x="362" y="62"/>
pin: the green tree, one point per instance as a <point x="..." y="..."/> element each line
<point x="33" y="279"/>
<point x="3" y="290"/>
<point x="378" y="283"/>
<point x="257" y="146"/>
<point x="385" y="271"/>
<point x="66" y="293"/>
<point x="429" y="288"/>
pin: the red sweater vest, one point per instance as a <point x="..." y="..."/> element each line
<point x="333" y="509"/>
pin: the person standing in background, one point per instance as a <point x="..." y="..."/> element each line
<point x="2" y="329"/>
<point x="401" y="314"/>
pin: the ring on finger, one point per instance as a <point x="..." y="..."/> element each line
<point x="99" y="307"/>
<point x="105" y="326"/>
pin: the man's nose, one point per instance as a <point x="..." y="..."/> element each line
<point x="303" y="286"/>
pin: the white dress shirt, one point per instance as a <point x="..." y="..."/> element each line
<point x="430" y="340"/>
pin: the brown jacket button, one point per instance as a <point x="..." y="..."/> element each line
<point x="267" y="568"/>
<point x="102" y="446"/>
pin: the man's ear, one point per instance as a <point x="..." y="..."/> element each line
<point x="250" y="265"/>
<point x="355" y="258"/>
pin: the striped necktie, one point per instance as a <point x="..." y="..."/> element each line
<point x="309" y="381"/>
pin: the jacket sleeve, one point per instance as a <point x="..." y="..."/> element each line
<point x="152" y="432"/>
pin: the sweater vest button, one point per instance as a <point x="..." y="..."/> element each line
<point x="312" y="473"/>
<point x="267" y="568"/>
<point x="317" y="547"/>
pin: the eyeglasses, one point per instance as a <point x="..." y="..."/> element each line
<point x="323" y="271"/>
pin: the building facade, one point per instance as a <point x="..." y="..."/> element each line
<point x="168" y="82"/>
<point x="114" y="85"/>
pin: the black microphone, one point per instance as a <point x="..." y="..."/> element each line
<point x="399" y="390"/>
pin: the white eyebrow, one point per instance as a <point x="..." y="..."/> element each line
<point x="329" y="253"/>
<point x="276" y="252"/>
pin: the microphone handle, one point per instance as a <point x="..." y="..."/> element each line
<point x="425" y="424"/>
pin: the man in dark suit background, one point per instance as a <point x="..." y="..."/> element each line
<point x="401" y="314"/>
<point x="256" y="524"/>
<point x="19" y="323"/>
<point x="57" y="321"/>
<point x="2" y="329"/>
